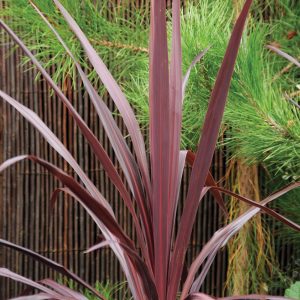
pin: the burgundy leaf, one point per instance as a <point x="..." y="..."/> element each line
<point x="284" y="55"/>
<point x="16" y="277"/>
<point x="265" y="209"/>
<point x="102" y="214"/>
<point x="131" y="272"/>
<point x="191" y="66"/>
<point x="98" y="246"/>
<point x="209" y="182"/>
<point x="63" y="290"/>
<point x="160" y="140"/>
<point x="54" y="142"/>
<point x="52" y="264"/>
<point x="205" y="151"/>
<point x="97" y="208"/>
<point x="40" y="296"/>
<point x="175" y="107"/>
<point x="34" y="119"/>
<point x="182" y="159"/>
<point x="121" y="149"/>
<point x="221" y="237"/>
<point x="127" y="268"/>
<point x="116" y="94"/>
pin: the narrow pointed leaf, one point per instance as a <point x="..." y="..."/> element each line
<point x="205" y="150"/>
<point x="191" y="66"/>
<point x="52" y="264"/>
<point x="40" y="296"/>
<point x="97" y="246"/>
<point x="284" y="55"/>
<point x="160" y="139"/>
<point x="34" y="119"/>
<point x="63" y="290"/>
<point x="121" y="149"/>
<point x="124" y="242"/>
<point x="50" y="137"/>
<point x="175" y="109"/>
<point x="97" y="208"/>
<point x="16" y="277"/>
<point x="116" y="94"/>
<point x="221" y="237"/>
<point x="265" y="209"/>
<point x="127" y="267"/>
<point x="209" y="182"/>
<point x="181" y="164"/>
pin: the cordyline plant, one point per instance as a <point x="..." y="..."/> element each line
<point x="156" y="271"/>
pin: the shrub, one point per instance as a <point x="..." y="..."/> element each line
<point x="152" y="196"/>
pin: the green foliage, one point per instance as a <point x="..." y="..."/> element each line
<point x="265" y="126"/>
<point x="206" y="24"/>
<point x="106" y="36"/>
<point x="108" y="290"/>
<point x="293" y="291"/>
<point x="271" y="122"/>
